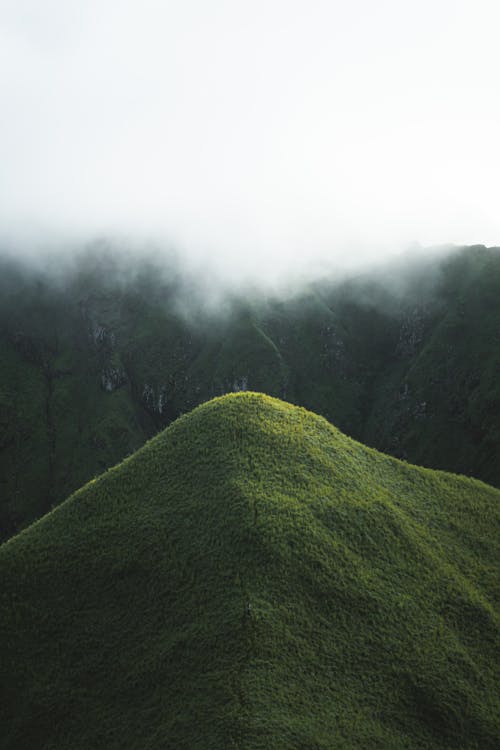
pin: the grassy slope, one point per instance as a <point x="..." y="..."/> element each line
<point x="124" y="613"/>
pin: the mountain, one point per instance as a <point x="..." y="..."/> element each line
<point x="99" y="353"/>
<point x="253" y="578"/>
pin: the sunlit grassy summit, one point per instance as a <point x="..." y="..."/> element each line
<point x="253" y="578"/>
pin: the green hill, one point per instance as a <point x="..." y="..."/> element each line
<point x="253" y="578"/>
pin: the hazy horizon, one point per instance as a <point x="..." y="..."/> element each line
<point x="270" y="139"/>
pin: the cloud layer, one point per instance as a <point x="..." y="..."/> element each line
<point x="263" y="136"/>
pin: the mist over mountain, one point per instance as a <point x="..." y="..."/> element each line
<point x="257" y="143"/>
<point x="249" y="375"/>
<point x="101" y="352"/>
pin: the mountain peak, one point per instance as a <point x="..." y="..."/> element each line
<point x="253" y="578"/>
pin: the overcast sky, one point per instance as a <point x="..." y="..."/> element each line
<point x="248" y="131"/>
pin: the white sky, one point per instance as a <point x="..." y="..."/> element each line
<point x="262" y="134"/>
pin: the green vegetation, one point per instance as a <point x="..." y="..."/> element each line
<point x="97" y="357"/>
<point x="253" y="578"/>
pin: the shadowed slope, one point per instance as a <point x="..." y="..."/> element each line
<point x="252" y="578"/>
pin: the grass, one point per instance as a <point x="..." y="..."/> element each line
<point x="253" y="578"/>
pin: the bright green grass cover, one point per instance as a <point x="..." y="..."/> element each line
<point x="252" y="578"/>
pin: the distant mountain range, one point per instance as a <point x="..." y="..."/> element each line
<point x="251" y="578"/>
<point x="98" y="355"/>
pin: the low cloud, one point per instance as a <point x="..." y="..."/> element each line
<point x="260" y="141"/>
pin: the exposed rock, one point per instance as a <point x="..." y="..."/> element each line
<point x="240" y="384"/>
<point x="154" y="400"/>
<point x="112" y="378"/>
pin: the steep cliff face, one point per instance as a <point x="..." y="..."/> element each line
<point x="97" y="361"/>
<point x="441" y="407"/>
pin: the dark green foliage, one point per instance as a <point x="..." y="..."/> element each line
<point x="97" y="357"/>
<point x="252" y="578"/>
<point x="447" y="410"/>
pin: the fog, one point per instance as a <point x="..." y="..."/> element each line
<point x="258" y="140"/>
